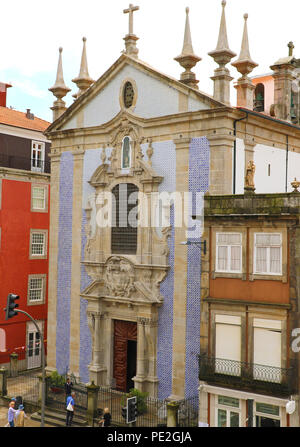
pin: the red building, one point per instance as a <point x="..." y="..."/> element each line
<point x="24" y="226"/>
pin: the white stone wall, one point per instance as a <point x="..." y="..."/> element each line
<point x="155" y="98"/>
<point x="263" y="157"/>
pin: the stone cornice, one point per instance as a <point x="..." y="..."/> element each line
<point x="28" y="175"/>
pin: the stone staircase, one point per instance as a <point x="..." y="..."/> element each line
<point x="57" y="418"/>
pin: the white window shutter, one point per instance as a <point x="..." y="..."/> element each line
<point x="222" y="258"/>
<point x="235" y="260"/>
<point x="275" y="261"/>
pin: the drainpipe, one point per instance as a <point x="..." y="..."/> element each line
<point x="286" y="163"/>
<point x="234" y="150"/>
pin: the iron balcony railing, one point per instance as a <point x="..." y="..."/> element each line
<point x="25" y="163"/>
<point x="247" y="376"/>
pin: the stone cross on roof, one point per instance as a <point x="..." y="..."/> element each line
<point x="291" y="47"/>
<point x="130" y="11"/>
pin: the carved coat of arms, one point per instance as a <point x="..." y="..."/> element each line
<point x="119" y="277"/>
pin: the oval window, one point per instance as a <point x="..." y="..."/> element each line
<point x="128" y="94"/>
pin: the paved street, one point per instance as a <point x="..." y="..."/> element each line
<point x="28" y="422"/>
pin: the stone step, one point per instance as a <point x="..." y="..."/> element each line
<point x="58" y="418"/>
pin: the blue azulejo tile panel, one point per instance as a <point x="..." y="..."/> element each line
<point x="199" y="161"/>
<point x="64" y="263"/>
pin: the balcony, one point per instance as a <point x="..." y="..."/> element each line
<point x="27" y="164"/>
<point x="247" y="376"/>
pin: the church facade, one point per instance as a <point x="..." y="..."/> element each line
<point x="124" y="300"/>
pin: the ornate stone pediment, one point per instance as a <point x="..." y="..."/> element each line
<point x="121" y="280"/>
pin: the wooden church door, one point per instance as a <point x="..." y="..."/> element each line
<point x="125" y="342"/>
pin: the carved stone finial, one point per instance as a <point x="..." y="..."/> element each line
<point x="244" y="64"/>
<point x="59" y="89"/>
<point x="295" y="184"/>
<point x="83" y="80"/>
<point x="222" y="55"/>
<point x="187" y="59"/>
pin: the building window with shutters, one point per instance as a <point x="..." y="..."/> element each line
<point x="38" y="244"/>
<point x="39" y="198"/>
<point x="228" y="339"/>
<point x="267" y="350"/>
<point x="124" y="219"/>
<point x="267" y="254"/>
<point x="36" y="289"/>
<point x="229" y="252"/>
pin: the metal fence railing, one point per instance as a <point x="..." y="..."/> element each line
<point x="247" y="375"/>
<point x="26" y="386"/>
<point x="152" y="412"/>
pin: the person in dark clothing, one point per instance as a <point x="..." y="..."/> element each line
<point x="106" y="419"/>
<point x="68" y="387"/>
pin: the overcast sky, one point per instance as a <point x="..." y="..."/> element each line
<point x="32" y="31"/>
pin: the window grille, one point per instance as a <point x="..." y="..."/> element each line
<point x="124" y="223"/>
<point x="36" y="289"/>
<point x="38" y="244"/>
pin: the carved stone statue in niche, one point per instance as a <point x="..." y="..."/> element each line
<point x="249" y="178"/>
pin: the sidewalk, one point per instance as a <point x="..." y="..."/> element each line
<point x="28" y="422"/>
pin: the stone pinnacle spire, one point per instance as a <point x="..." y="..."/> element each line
<point x="223" y="40"/>
<point x="222" y="55"/>
<point x="59" y="90"/>
<point x="83" y="80"/>
<point x="245" y="65"/>
<point x="187" y="59"/>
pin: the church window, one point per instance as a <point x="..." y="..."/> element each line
<point x="124" y="219"/>
<point x="126" y="153"/>
<point x="259" y="98"/>
<point x="128" y="95"/>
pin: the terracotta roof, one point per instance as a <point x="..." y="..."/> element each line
<point x="15" y="118"/>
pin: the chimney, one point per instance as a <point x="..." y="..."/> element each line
<point x="3" y="93"/>
<point x="29" y="115"/>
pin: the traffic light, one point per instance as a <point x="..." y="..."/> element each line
<point x="131" y="410"/>
<point x="124" y="412"/>
<point x="11" y="305"/>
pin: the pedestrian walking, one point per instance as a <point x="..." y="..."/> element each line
<point x="68" y="387"/>
<point x="11" y="414"/>
<point x="20" y="416"/>
<point x="106" y="419"/>
<point x="70" y="409"/>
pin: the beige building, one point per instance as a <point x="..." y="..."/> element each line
<point x="124" y="300"/>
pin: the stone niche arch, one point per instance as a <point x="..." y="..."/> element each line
<point x="125" y="287"/>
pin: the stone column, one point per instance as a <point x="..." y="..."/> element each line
<point x="53" y="258"/>
<point x="140" y="362"/>
<point x="180" y="276"/>
<point x="284" y="75"/>
<point x="203" y="404"/>
<point x="172" y="414"/>
<point x="3" y="381"/>
<point x="220" y="181"/>
<point x="97" y="368"/>
<point x="78" y="157"/>
<point x="92" y="402"/>
<point x="14" y="364"/>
